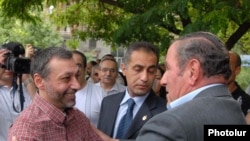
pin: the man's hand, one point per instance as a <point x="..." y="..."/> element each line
<point x="14" y="138"/>
<point x="102" y="135"/>
<point x="2" y="60"/>
<point x="29" y="51"/>
<point x="2" y="55"/>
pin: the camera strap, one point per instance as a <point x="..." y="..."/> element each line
<point x="21" y="92"/>
<point x="15" y="87"/>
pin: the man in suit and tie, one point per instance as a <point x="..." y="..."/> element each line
<point x="137" y="103"/>
<point x="197" y="70"/>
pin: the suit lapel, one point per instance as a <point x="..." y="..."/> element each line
<point x="142" y="116"/>
<point x="113" y="110"/>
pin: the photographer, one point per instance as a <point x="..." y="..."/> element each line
<point x="13" y="96"/>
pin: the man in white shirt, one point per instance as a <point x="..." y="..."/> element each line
<point x="89" y="97"/>
<point x="108" y="73"/>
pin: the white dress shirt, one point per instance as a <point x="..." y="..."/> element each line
<point x="88" y="100"/>
<point x="9" y="101"/>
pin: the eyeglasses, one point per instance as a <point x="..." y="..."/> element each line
<point x="106" y="70"/>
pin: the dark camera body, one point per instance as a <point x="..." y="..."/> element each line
<point x="17" y="64"/>
<point x="13" y="62"/>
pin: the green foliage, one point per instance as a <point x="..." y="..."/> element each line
<point x="244" y="44"/>
<point x="73" y="44"/>
<point x="243" y="78"/>
<point x="20" y="9"/>
<point x="23" y="9"/>
<point x="120" y="22"/>
<point x="40" y="34"/>
<point x="158" y="21"/>
<point x="89" y="56"/>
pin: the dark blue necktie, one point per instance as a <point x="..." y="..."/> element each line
<point x="126" y="120"/>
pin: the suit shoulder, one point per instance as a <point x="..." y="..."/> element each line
<point x="113" y="96"/>
<point x="159" y="100"/>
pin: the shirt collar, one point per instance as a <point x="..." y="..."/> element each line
<point x="50" y="110"/>
<point x="188" y="97"/>
<point x="115" y="87"/>
<point x="138" y="99"/>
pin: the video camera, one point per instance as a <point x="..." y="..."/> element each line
<point x="13" y="60"/>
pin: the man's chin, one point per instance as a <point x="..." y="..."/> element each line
<point x="70" y="104"/>
<point x="142" y="92"/>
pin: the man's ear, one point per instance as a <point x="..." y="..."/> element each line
<point x="194" y="70"/>
<point x="123" y="68"/>
<point x="237" y="70"/>
<point x="39" y="81"/>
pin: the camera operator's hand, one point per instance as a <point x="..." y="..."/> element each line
<point x="2" y="59"/>
<point x="29" y="51"/>
<point x="26" y="78"/>
<point x="3" y="55"/>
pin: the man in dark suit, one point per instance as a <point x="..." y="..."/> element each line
<point x="197" y="70"/>
<point x="139" y="68"/>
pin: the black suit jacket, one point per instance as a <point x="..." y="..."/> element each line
<point x="152" y="106"/>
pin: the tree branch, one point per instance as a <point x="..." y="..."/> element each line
<point x="243" y="28"/>
<point x="112" y="2"/>
<point x="171" y="28"/>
